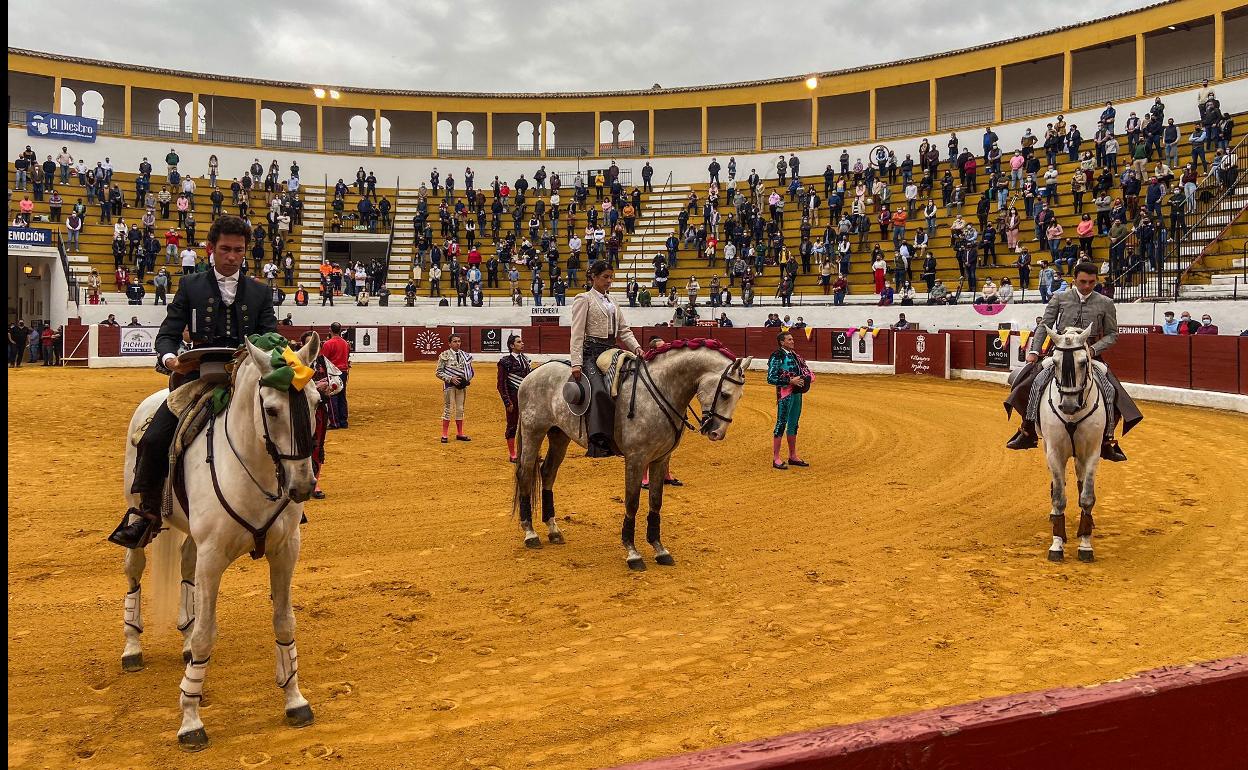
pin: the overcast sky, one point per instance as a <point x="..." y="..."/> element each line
<point x="526" y="45"/>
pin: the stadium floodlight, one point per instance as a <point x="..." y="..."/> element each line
<point x="319" y="92"/>
<point x="333" y="94"/>
<point x="811" y="82"/>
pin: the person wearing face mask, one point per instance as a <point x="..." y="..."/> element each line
<point x="1170" y="325"/>
<point x="1187" y="325"/>
<point x="1078" y="308"/>
<point x="1206" y="326"/>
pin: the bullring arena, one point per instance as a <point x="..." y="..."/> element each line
<point x="889" y="606"/>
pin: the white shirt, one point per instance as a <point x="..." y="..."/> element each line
<point x="228" y="285"/>
<point x="188" y="258"/>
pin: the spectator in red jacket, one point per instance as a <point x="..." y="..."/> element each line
<point x="338" y="352"/>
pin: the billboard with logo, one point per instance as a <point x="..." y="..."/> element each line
<point x="138" y="340"/>
<point x="842" y="345"/>
<point x="997" y="351"/>
<point x="362" y="339"/>
<point x="53" y="125"/>
<point x="424" y="344"/>
<point x="924" y="353"/>
<point x="862" y="345"/>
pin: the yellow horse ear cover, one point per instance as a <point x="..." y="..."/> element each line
<point x="303" y="373"/>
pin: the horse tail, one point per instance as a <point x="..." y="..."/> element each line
<point x="166" y="575"/>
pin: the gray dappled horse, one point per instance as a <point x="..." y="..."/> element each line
<point x="230" y="469"/>
<point x="1072" y="421"/>
<point x="649" y="423"/>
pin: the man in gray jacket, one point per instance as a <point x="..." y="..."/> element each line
<point x="1076" y="308"/>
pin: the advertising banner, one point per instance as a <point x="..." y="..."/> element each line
<point x="29" y="237"/>
<point x="53" y="125"/>
<point x="862" y="345"/>
<point x="139" y="340"/>
<point x="925" y="353"/>
<point x="362" y="339"/>
<point x="997" y="351"/>
<point x="842" y="345"/>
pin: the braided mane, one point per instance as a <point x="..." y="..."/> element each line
<point x="691" y="344"/>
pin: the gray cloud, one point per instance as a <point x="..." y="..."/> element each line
<point x="534" y="45"/>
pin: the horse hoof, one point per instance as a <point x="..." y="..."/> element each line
<point x="132" y="663"/>
<point x="1085" y="555"/>
<point x="195" y="740"/>
<point x="666" y="559"/>
<point x="300" y="716"/>
<point x="534" y="542"/>
<point x="556" y="538"/>
<point x="1057" y="556"/>
<point x="637" y="565"/>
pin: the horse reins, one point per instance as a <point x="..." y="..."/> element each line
<point x="678" y="418"/>
<point x="300" y="426"/>
<point x="1071" y="427"/>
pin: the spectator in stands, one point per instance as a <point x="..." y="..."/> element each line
<point x="110" y="321"/>
<point x="1169" y="325"/>
<point x="938" y="294"/>
<point x="887" y="294"/>
<point x="161" y="282"/>
<point x="73" y="226"/>
<point x="134" y="293"/>
<point x="1206" y="325"/>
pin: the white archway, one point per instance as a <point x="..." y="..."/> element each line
<point x="292" y="126"/>
<point x="465" y="135"/>
<point x="358" y="127"/>
<point x="385" y="132"/>
<point x="203" y="118"/>
<point x="446" y="135"/>
<point x="92" y="105"/>
<point x="606" y="133"/>
<point x="550" y="134"/>
<point x="525" y="138"/>
<point x="168" y="115"/>
<point x="69" y="101"/>
<point x="624" y="133"/>
<point x="268" y="124"/>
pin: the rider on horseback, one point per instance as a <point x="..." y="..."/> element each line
<point x="1077" y="307"/>
<point x="221" y="308"/>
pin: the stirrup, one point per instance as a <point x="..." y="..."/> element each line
<point x="135" y="534"/>
<point x="1022" y="440"/>
<point x="1112" y="452"/>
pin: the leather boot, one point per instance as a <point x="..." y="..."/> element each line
<point x="1112" y="452"/>
<point x="141" y="519"/>
<point x="1025" y="438"/>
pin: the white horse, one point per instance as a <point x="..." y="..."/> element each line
<point x="229" y="472"/>
<point x="646" y="437"/>
<point x="1072" y="421"/>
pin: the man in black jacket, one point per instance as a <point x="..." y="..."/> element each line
<point x="221" y="308"/>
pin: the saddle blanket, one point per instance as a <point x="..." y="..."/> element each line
<point x="614" y="364"/>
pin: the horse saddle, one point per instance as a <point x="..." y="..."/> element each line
<point x="615" y="365"/>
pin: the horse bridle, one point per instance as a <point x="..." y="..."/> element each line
<point x="301" y="430"/>
<point x="1088" y="375"/>
<point x="679" y="418"/>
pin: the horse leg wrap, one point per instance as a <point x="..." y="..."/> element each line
<point x="1059" y="526"/>
<point x="186" y="607"/>
<point x="628" y="533"/>
<point x="193" y="679"/>
<point x="287" y="663"/>
<point x="134" y="609"/>
<point x="1085" y="525"/>
<point x="1037" y="392"/>
<point x="526" y="509"/>
<point x="652" y="527"/>
<point x="548" y="504"/>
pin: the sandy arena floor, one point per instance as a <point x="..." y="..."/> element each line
<point x="904" y="570"/>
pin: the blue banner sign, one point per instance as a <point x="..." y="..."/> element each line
<point x="28" y="237"/>
<point x="52" y="125"/>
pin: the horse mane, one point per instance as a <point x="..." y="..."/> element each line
<point x="690" y="344"/>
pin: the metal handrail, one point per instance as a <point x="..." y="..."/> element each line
<point x="70" y="278"/>
<point x="1178" y="77"/>
<point x="1235" y="65"/>
<point x="1038" y="105"/>
<point x="978" y="116"/>
<point x="1104" y="92"/>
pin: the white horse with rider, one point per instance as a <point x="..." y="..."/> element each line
<point x="246" y="477"/>
<point x="1072" y="419"/>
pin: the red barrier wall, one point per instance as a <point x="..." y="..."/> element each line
<point x="1243" y="365"/>
<point x="110" y="341"/>
<point x="554" y="339"/>
<point x="1215" y="363"/>
<point x="1127" y="357"/>
<point x="1168" y="360"/>
<point x="733" y="339"/>
<point x="883" y="347"/>
<point x="961" y="348"/>
<point x="1169" y="718"/>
